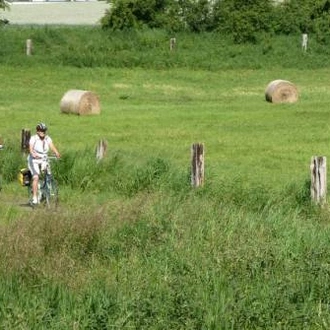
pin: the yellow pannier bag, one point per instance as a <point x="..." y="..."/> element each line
<point x="24" y="177"/>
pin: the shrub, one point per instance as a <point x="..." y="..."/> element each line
<point x="241" y="19"/>
<point x="244" y="19"/>
<point x="133" y="14"/>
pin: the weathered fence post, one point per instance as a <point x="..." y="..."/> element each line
<point x="318" y="179"/>
<point x="25" y="139"/>
<point x="29" y="47"/>
<point x="197" y="164"/>
<point x="101" y="149"/>
<point x="172" y="44"/>
<point x="304" y="42"/>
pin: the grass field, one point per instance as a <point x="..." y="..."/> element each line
<point x="132" y="245"/>
<point x="163" y="113"/>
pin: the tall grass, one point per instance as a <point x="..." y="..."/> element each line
<point x="218" y="257"/>
<point x="93" y="47"/>
<point x="162" y="261"/>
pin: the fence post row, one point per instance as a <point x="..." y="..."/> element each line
<point x="318" y="166"/>
<point x="318" y="179"/>
<point x="25" y="139"/>
<point x="197" y="164"/>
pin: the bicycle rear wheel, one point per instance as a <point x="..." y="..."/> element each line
<point x="51" y="194"/>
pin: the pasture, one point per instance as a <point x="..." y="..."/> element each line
<point x="161" y="113"/>
<point x="132" y="244"/>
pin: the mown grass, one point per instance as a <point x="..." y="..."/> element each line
<point x="132" y="245"/>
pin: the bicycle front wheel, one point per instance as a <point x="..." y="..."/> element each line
<point x="51" y="194"/>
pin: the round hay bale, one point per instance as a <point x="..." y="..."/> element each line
<point x="80" y="102"/>
<point x="281" y="91"/>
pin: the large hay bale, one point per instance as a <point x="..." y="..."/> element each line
<point x="281" y="91"/>
<point x="80" y="102"/>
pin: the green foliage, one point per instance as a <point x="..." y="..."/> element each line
<point x="3" y="22"/>
<point x="127" y="14"/>
<point x="322" y="28"/>
<point x="196" y="16"/>
<point x="11" y="161"/>
<point x="4" y="5"/>
<point x="120" y="17"/>
<point x="242" y="20"/>
<point x="306" y="17"/>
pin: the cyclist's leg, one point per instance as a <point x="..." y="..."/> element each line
<point x="33" y="166"/>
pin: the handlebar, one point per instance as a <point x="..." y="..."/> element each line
<point x="46" y="157"/>
<point x="46" y="167"/>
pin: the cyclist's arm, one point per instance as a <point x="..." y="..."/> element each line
<point x="54" y="150"/>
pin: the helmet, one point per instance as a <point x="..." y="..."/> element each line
<point x="41" y="127"/>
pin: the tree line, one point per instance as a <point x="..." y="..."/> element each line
<point x="243" y="20"/>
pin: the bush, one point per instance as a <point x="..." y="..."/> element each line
<point x="241" y="19"/>
<point x="244" y="19"/>
<point x="134" y="14"/>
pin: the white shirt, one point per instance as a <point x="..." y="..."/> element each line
<point x="41" y="147"/>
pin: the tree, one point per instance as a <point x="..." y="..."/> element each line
<point x="126" y="14"/>
<point x="306" y="16"/>
<point x="244" y="19"/>
<point x="193" y="15"/>
<point x="4" y="4"/>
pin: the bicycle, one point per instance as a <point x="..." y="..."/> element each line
<point x="47" y="186"/>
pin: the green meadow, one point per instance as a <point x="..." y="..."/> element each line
<point x="132" y="245"/>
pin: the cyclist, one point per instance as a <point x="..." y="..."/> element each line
<point x="39" y="146"/>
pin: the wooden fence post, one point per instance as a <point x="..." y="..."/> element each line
<point x="197" y="164"/>
<point x="304" y="42"/>
<point x="318" y="179"/>
<point x="101" y="149"/>
<point x="29" y="47"/>
<point x="25" y="139"/>
<point x="172" y="44"/>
